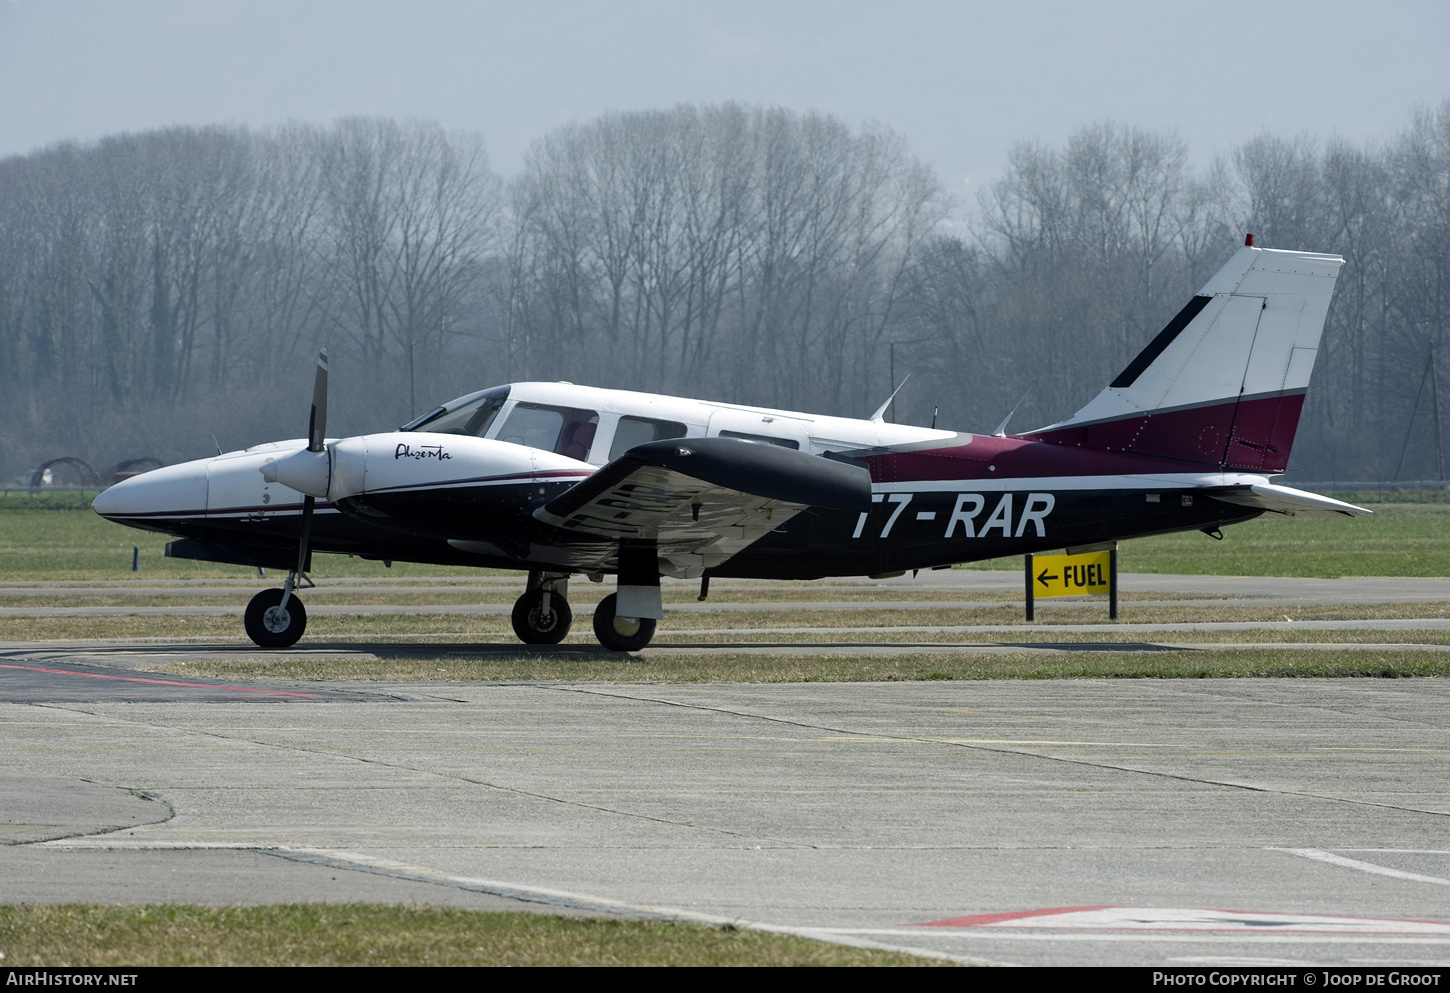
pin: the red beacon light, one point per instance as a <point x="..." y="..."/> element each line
<point x="1249" y="241"/>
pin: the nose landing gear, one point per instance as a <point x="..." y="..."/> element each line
<point x="276" y="618"/>
<point x="271" y="623"/>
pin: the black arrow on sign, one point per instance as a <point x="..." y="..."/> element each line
<point x="1043" y="577"/>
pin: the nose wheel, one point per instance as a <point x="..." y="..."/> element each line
<point x="621" y="634"/>
<point x="271" y="624"/>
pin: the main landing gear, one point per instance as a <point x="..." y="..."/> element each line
<point x="621" y="634"/>
<point x="542" y="616"/>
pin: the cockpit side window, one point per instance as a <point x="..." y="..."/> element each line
<point x="634" y="431"/>
<point x="566" y="431"/>
<point x="471" y="416"/>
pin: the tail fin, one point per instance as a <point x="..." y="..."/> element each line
<point x="1224" y="382"/>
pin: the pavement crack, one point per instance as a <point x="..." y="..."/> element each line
<point x="513" y="790"/>
<point x="997" y="749"/>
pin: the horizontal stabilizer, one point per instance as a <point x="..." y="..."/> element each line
<point x="1285" y="500"/>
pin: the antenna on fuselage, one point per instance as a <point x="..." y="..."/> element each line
<point x="880" y="415"/>
<point x="1001" y="430"/>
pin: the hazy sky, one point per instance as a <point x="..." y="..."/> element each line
<point x="961" y="81"/>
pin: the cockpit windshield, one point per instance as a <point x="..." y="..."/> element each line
<point x="470" y="415"/>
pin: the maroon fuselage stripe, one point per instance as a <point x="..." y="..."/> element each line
<point x="1253" y="435"/>
<point x="988" y="457"/>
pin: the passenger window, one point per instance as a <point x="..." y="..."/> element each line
<point x="633" y="431"/>
<point x="563" y="430"/>
<point x="762" y="439"/>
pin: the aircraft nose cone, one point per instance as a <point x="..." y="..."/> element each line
<point x="164" y="492"/>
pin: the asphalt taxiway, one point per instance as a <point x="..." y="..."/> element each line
<point x="853" y="811"/>
<point x="1042" y="822"/>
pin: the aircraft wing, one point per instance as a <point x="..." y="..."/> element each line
<point x="1285" y="500"/>
<point x="704" y="499"/>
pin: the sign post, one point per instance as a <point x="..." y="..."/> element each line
<point x="1092" y="573"/>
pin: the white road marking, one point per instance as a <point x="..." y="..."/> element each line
<point x="1191" y="919"/>
<point x="1188" y="937"/>
<point x="1239" y="961"/>
<point x="357" y="861"/>
<point x="585" y="901"/>
<point x="1379" y="870"/>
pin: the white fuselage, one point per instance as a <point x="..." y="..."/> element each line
<point x="813" y="433"/>
<point x="233" y="484"/>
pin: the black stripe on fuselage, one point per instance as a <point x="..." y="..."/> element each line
<point x="905" y="530"/>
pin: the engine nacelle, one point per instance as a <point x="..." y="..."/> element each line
<point x="409" y="460"/>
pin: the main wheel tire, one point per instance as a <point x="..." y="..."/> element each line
<point x="533" y="626"/>
<point x="621" y="634"/>
<point x="270" y="625"/>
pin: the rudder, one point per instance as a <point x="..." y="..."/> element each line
<point x="1223" y="383"/>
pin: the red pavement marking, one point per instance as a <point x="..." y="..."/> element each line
<point x="158" y="682"/>
<point x="981" y="920"/>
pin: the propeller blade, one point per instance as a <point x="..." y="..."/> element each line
<point x="316" y="432"/>
<point x="307" y="505"/>
<point x="317" y="424"/>
<point x="290" y="585"/>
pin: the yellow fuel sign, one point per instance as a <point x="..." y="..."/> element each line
<point x="1071" y="575"/>
<point x="1083" y="574"/>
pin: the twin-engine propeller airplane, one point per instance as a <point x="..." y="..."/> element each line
<point x="562" y="480"/>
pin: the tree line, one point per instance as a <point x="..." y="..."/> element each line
<point x="165" y="292"/>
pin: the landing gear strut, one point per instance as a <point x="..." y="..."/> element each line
<point x="542" y="615"/>
<point x="621" y="634"/>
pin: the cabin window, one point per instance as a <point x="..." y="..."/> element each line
<point x="471" y="416"/>
<point x="564" y="430"/>
<point x="633" y="431"/>
<point x="762" y="439"/>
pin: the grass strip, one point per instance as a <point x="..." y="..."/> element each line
<point x="381" y="935"/>
<point x="843" y="666"/>
<point x="1401" y="539"/>
<point x="755" y="626"/>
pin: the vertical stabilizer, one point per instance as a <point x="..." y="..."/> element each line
<point x="1223" y="383"/>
